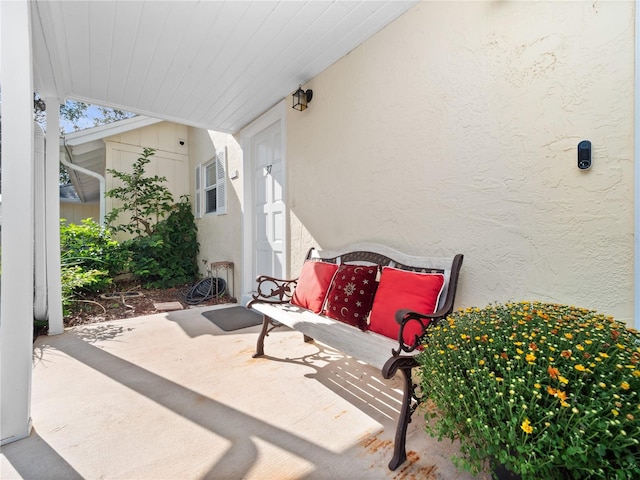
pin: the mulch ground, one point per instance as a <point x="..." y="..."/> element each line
<point x="129" y="301"/>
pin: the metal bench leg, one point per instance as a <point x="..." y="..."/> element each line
<point x="409" y="404"/>
<point x="266" y="321"/>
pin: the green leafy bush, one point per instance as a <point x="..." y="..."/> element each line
<point x="549" y="391"/>
<point x="90" y="247"/>
<point x="164" y="248"/>
<point x="74" y="279"/>
<point x="168" y="256"/>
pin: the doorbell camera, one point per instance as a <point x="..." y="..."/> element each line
<point x="584" y="155"/>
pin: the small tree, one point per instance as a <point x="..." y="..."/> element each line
<point x="164" y="248"/>
<point x="144" y="199"/>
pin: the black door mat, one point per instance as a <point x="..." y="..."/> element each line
<point x="233" y="318"/>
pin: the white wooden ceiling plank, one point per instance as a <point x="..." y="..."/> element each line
<point x="168" y="45"/>
<point x="200" y="44"/>
<point x="332" y="41"/>
<point x="153" y="20"/>
<point x="264" y="52"/>
<point x="75" y="33"/>
<point x="101" y="28"/>
<point x="49" y="77"/>
<point x="283" y="65"/>
<point x="231" y="36"/>
<point x="127" y="20"/>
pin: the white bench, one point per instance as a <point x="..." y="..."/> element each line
<point x="273" y="297"/>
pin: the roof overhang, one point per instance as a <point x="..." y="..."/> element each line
<point x="211" y="64"/>
<point x="86" y="149"/>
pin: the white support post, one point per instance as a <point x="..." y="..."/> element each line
<point x="16" y="309"/>
<point x="52" y="217"/>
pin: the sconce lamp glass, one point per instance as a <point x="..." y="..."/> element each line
<point x="301" y="98"/>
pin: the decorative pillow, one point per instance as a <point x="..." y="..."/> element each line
<point x="351" y="294"/>
<point x="400" y="289"/>
<point x="313" y="284"/>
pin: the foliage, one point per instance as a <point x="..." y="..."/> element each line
<point x="91" y="247"/>
<point x="549" y="391"/>
<point x="75" y="113"/>
<point x="144" y="200"/>
<point x="110" y="115"/>
<point x="74" y="279"/>
<point x="168" y="256"/>
<point x="89" y="259"/>
<point x="39" y="109"/>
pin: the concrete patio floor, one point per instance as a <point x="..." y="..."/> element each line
<point x="172" y="396"/>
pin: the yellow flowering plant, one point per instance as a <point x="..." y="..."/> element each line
<point x="547" y="391"/>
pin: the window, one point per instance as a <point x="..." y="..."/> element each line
<point x="211" y="186"/>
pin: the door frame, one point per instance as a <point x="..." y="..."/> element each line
<point x="275" y="114"/>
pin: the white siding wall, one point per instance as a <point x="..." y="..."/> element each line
<point x="455" y="129"/>
<point x="171" y="159"/>
<point x="74" y="212"/>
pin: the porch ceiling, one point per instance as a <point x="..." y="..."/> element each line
<point x="210" y="64"/>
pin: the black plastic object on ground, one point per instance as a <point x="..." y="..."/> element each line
<point x="205" y="289"/>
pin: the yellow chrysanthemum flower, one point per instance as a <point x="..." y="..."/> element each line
<point x="526" y="426"/>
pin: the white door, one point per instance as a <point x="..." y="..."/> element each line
<point x="268" y="203"/>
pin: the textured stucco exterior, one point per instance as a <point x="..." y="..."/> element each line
<point x="454" y="130"/>
<point x="220" y="236"/>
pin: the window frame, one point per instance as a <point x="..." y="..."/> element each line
<point x="218" y="162"/>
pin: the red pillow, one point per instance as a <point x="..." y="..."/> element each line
<point x="400" y="289"/>
<point x="313" y="284"/>
<point x="351" y="294"/>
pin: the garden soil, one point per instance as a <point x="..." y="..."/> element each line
<point x="130" y="301"/>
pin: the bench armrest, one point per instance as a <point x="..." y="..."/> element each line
<point x="425" y="320"/>
<point x="273" y="290"/>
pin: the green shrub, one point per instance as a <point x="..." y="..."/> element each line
<point x="91" y="248"/>
<point x="164" y="250"/>
<point x="74" y="279"/>
<point x="168" y="256"/>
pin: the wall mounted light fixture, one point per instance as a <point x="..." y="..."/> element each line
<point x="301" y="98"/>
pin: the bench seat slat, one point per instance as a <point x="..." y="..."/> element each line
<point x="369" y="347"/>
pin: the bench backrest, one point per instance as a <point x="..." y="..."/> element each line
<point x="373" y="254"/>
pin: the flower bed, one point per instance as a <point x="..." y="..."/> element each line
<point x="549" y="391"/>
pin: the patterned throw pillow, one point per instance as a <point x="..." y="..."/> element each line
<point x="351" y="294"/>
<point x="313" y="283"/>
<point x="400" y="289"/>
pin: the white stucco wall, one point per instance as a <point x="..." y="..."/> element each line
<point x="454" y="130"/>
<point x="220" y="236"/>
